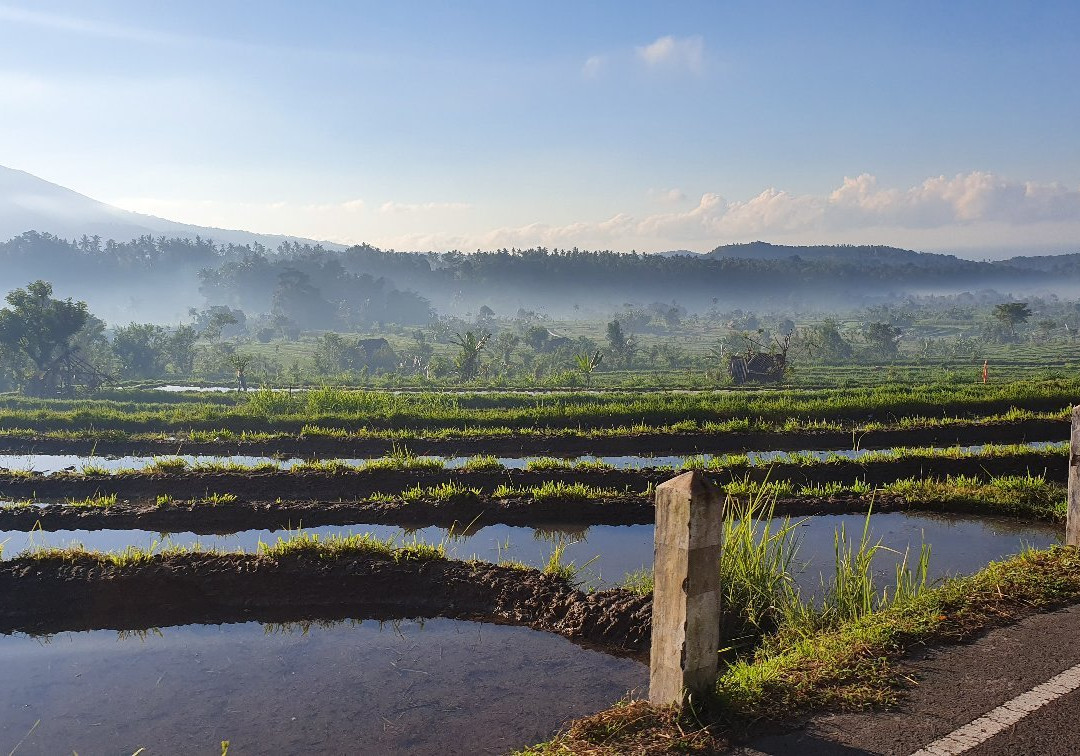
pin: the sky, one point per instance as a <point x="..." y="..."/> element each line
<point x="648" y="126"/>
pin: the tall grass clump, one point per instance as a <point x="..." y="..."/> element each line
<point x="270" y="403"/>
<point x="166" y="465"/>
<point x="757" y="568"/>
<point x="482" y="463"/>
<point x="336" y="546"/>
<point x="98" y="501"/>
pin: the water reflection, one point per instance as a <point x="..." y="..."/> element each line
<point x="48" y="464"/>
<point x="960" y="544"/>
<point x="439" y="686"/>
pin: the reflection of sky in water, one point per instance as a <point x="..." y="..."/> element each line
<point x="409" y="687"/>
<point x="959" y="545"/>
<point x="51" y="463"/>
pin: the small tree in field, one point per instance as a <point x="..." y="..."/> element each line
<point x="587" y="364"/>
<point x="468" y="359"/>
<point x="1012" y="314"/>
<point x="883" y="339"/>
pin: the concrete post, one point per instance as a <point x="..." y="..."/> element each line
<point x="686" y="588"/>
<point x="1072" y="523"/>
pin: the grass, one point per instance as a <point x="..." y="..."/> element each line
<point x="792" y="425"/>
<point x="853" y="664"/>
<point x="299" y="543"/>
<point x="341" y="546"/>
<point x="443" y="492"/>
<point x="401" y="460"/>
<point x="93" y="502"/>
<point x="217" y="499"/>
<point x="542" y="464"/>
<point x="550" y="491"/>
<point x="332" y="411"/>
<point x="482" y="463"/>
<point x="167" y="465"/>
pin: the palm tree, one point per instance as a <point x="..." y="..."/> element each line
<point x="586" y="364"/>
<point x="468" y="361"/>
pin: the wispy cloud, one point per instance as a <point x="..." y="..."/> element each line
<point x="594" y="66"/>
<point x="421" y="207"/>
<point x="667" y="196"/>
<point x="673" y="52"/>
<point x="82" y="25"/>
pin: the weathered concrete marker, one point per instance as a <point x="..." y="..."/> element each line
<point x="686" y="588"/>
<point x="1072" y="522"/>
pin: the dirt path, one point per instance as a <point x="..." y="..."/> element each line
<point x="960" y="685"/>
<point x="47" y="595"/>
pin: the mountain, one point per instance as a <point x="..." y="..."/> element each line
<point x="29" y="203"/>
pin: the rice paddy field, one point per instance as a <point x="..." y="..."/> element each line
<point x="471" y="571"/>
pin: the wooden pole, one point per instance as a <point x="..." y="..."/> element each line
<point x="686" y="588"/>
<point x="1072" y="523"/>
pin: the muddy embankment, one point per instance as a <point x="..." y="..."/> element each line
<point x="464" y="514"/>
<point x="47" y="595"/>
<point x="355" y="484"/>
<point x="564" y="446"/>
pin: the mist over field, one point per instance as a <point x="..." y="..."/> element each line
<point x="129" y="267"/>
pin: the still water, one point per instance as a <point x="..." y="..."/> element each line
<point x="48" y="464"/>
<point x="606" y="553"/>
<point x="420" y="687"/>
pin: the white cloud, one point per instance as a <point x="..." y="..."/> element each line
<point x="85" y="26"/>
<point x="673" y="52"/>
<point x="963" y="199"/>
<point x="594" y="66"/>
<point x="966" y="210"/>
<point x="967" y="207"/>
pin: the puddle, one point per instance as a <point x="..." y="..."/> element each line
<point x="433" y="687"/>
<point x="48" y="464"/>
<point x="959" y="544"/>
<point x="178" y="389"/>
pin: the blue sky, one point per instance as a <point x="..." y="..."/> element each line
<point x="623" y="125"/>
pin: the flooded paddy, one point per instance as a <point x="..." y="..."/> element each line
<point x="419" y="687"/>
<point x="605" y="554"/>
<point x="49" y="464"/>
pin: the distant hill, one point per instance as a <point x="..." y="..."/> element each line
<point x="29" y="203"/>
<point x="862" y="253"/>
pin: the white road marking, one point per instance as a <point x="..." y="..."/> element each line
<point x="1004" y="716"/>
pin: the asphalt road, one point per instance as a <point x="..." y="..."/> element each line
<point x="955" y="686"/>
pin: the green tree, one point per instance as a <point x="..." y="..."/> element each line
<point x="140" y="347"/>
<point x="537" y="338"/>
<point x="180" y="349"/>
<point x="825" y="342"/>
<point x="1012" y="314"/>
<point x="622" y="345"/>
<point x="883" y="339"/>
<point x="505" y="345"/>
<point x="38" y="326"/>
